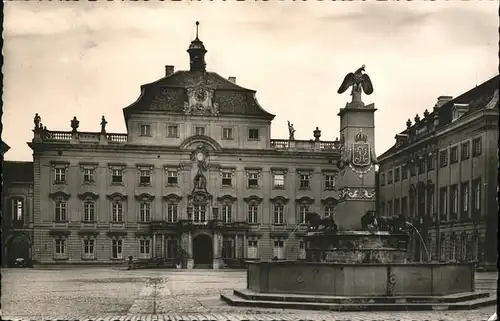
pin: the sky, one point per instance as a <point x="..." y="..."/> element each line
<point x="88" y="59"/>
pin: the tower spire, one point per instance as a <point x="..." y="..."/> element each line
<point x="197" y="53"/>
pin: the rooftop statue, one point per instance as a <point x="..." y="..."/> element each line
<point x="291" y="131"/>
<point x="359" y="82"/>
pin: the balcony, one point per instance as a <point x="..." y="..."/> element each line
<point x="83" y="137"/>
<point x="306" y="145"/>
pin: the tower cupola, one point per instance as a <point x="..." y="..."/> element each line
<point x="197" y="53"/>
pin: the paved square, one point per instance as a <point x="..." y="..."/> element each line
<point x="118" y="294"/>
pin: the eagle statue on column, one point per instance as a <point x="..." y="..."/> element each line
<point x="358" y="80"/>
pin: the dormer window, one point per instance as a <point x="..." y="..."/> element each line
<point x="459" y="110"/>
<point x="145" y="130"/>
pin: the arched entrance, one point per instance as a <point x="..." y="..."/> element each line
<point x="202" y="251"/>
<point x="18" y="246"/>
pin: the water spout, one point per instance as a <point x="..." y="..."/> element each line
<point x="291" y="233"/>
<point x="421" y="239"/>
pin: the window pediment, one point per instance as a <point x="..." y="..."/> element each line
<point x="60" y="195"/>
<point x="279" y="199"/>
<point x="88" y="195"/>
<point x="117" y="197"/>
<point x="172" y="198"/>
<point x="330" y="201"/>
<point x="227" y="198"/>
<point x="145" y="197"/>
<point x="305" y="200"/>
<point x="88" y="234"/>
<point x="253" y="198"/>
<point x="279" y="170"/>
<point x="59" y="164"/>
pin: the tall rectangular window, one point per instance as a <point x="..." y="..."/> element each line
<point x="60" y="211"/>
<point x="443" y="158"/>
<point x="476" y="147"/>
<point x="430" y="200"/>
<point x="144" y="249"/>
<point x="404" y="171"/>
<point x="329" y="210"/>
<point x="60" y="248"/>
<point x="227" y="133"/>
<point x="421" y="165"/>
<point x="227" y="249"/>
<point x="172" y="131"/>
<point x="117" y="249"/>
<point x="464" y="197"/>
<point x="302" y="250"/>
<point x="227" y="216"/>
<point x="389" y="208"/>
<point x="88" y="211"/>
<point x="465" y="149"/>
<point x="172" y="213"/>
<point x="397" y="174"/>
<point x="199" y="131"/>
<point x="454" y="201"/>
<point x="279" y="249"/>
<point x="144" y="212"/>
<point x="443" y="205"/>
<point x="278" y="214"/>
<point x="252" y="249"/>
<point x="253" y="210"/>
<point x="404" y="206"/>
<point x="397" y="206"/>
<point x="303" y="209"/>
<point x="476" y="197"/>
<point x="431" y="160"/>
<point x="454" y="154"/>
<point x="200" y="213"/>
<point x="88" y="248"/>
<point x="17" y="210"/>
<point x="117" y="212"/>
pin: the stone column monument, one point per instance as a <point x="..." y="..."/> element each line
<point x="356" y="182"/>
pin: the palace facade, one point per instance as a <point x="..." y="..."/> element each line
<point x="442" y="173"/>
<point x="196" y="174"/>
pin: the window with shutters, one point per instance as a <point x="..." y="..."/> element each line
<point x="252" y="249"/>
<point x="279" y="249"/>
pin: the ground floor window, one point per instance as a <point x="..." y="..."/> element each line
<point x="252" y="249"/>
<point x="302" y="250"/>
<point x="227" y="249"/>
<point x="279" y="249"/>
<point x="144" y="249"/>
<point x="60" y="248"/>
<point x="117" y="249"/>
<point x="172" y="248"/>
<point x="88" y="248"/>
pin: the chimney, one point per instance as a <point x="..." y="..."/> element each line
<point x="169" y="70"/>
<point x="443" y="100"/>
<point x="232" y="79"/>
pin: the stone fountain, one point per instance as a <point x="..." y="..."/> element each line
<point x="358" y="262"/>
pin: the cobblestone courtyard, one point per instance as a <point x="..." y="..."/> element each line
<point x="119" y="294"/>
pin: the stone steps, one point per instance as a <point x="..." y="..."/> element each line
<point x="462" y="301"/>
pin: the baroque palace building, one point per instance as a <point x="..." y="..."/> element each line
<point x="442" y="175"/>
<point x="196" y="173"/>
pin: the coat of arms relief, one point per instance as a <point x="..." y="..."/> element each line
<point x="359" y="156"/>
<point x="200" y="102"/>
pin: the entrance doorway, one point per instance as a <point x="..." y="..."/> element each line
<point x="202" y="251"/>
<point x="17" y="247"/>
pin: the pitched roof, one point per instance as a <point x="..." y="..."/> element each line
<point x="168" y="94"/>
<point x="476" y="98"/>
<point x="17" y="172"/>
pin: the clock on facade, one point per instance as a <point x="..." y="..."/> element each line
<point x="200" y="95"/>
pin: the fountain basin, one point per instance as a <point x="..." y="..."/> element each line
<point x="346" y="279"/>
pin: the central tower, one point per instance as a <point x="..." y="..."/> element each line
<point x="197" y="53"/>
